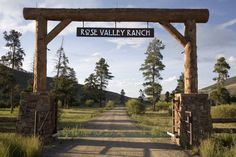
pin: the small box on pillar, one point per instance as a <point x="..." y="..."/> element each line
<point x="191" y="118"/>
<point x="37" y="115"/>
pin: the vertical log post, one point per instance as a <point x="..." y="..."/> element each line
<point x="190" y="59"/>
<point x="40" y="58"/>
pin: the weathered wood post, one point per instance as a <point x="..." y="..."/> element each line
<point x="40" y="58"/>
<point x="190" y="59"/>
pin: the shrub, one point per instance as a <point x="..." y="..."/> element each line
<point x="89" y="103"/>
<point x="163" y="105"/>
<point x="17" y="146"/>
<point x="110" y="104"/>
<point x="170" y="108"/>
<point x="135" y="107"/>
<point x="218" y="146"/>
<point x="223" y="111"/>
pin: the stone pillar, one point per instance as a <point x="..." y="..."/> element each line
<point x="37" y="115"/>
<point x="199" y="107"/>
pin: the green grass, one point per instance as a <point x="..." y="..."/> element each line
<point x="224" y="111"/>
<point x="156" y="123"/>
<point x="12" y="145"/>
<point x="75" y="117"/>
<point x="218" y="145"/>
<point x="5" y="112"/>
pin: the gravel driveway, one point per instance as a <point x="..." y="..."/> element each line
<point x="117" y="121"/>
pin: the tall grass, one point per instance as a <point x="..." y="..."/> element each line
<point x="12" y="145"/>
<point x="224" y="111"/>
<point x="109" y="105"/>
<point x="220" y="145"/>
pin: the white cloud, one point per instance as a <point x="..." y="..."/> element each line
<point x="132" y="42"/>
<point x="211" y="36"/>
<point x="169" y="79"/>
<point x="228" y="24"/>
<point x="232" y="61"/>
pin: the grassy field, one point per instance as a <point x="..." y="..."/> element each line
<point x="156" y="123"/>
<point x="224" y="111"/>
<point x="74" y="117"/>
<point x="5" y="112"/>
<point x="12" y="145"/>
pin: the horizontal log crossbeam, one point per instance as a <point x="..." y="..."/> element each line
<point x="119" y="14"/>
<point x="164" y="16"/>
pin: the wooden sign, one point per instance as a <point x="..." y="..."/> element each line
<point x="115" y="32"/>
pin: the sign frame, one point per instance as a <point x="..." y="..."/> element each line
<point x="115" y="32"/>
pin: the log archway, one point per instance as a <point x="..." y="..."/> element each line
<point x="190" y="102"/>
<point x="164" y="16"/>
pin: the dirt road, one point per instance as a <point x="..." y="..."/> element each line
<point x="114" y="121"/>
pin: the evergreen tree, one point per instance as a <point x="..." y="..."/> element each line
<point x="65" y="83"/>
<point x="167" y="96"/>
<point x="7" y="82"/>
<point x="221" y="68"/>
<point x="141" y="95"/>
<point x="180" y="84"/>
<point x="221" y="94"/>
<point x="90" y="88"/>
<point x="103" y="75"/>
<point x="122" y="96"/>
<point x="151" y="70"/>
<point x="14" y="56"/>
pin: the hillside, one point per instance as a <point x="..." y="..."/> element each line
<point x="230" y="84"/>
<point x="22" y="77"/>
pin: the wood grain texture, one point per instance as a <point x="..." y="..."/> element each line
<point x="175" y="33"/>
<point x="190" y="59"/>
<point x="56" y="30"/>
<point x="119" y="14"/>
<point x="40" y="58"/>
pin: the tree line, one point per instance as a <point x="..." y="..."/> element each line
<point x="65" y="84"/>
<point x="153" y="65"/>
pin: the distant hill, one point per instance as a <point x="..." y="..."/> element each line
<point x="22" y="77"/>
<point x="230" y="84"/>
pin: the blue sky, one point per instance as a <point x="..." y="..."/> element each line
<point x="125" y="55"/>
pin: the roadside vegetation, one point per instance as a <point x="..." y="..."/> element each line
<point x="12" y="145"/>
<point x="155" y="123"/>
<point x="218" y="145"/>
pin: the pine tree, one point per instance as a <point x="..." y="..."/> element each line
<point x="141" y="95"/>
<point x="151" y="70"/>
<point x="103" y="75"/>
<point x="221" y="94"/>
<point x="7" y="82"/>
<point x="65" y="84"/>
<point x="122" y="96"/>
<point x="167" y="96"/>
<point x="221" y="68"/>
<point x="180" y="84"/>
<point x="90" y="88"/>
<point x="14" y="56"/>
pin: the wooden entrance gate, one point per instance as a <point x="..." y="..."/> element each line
<point x="189" y="17"/>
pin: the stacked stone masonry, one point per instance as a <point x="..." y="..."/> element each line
<point x="37" y="115"/>
<point x="199" y="107"/>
